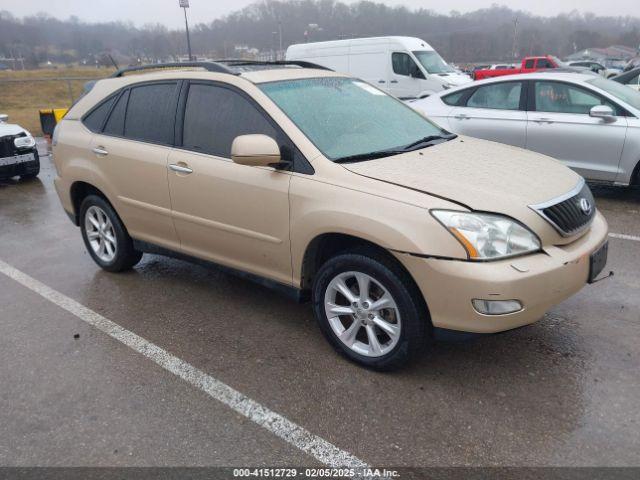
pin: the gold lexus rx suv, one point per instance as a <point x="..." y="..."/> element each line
<point x="327" y="189"/>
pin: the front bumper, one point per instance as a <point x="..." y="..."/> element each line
<point x="23" y="168"/>
<point x="539" y="281"/>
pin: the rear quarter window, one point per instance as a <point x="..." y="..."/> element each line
<point x="453" y="99"/>
<point x="115" y="124"/>
<point x="94" y="120"/>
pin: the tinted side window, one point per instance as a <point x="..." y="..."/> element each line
<point x="564" y="98"/>
<point x="115" y="124"/>
<point x="96" y="118"/>
<point x="529" y="63"/>
<point x="500" y="96"/>
<point x="214" y="116"/>
<point x="403" y="64"/>
<point x="151" y="113"/>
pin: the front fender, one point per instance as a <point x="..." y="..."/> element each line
<point x="318" y="208"/>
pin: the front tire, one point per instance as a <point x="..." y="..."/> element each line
<point x="33" y="171"/>
<point x="105" y="236"/>
<point x="370" y="310"/>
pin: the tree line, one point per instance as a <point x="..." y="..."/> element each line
<point x="495" y="33"/>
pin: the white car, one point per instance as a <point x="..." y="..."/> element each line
<point x="596" y="67"/>
<point x="405" y="67"/>
<point x="18" y="152"/>
<point x="590" y="123"/>
<point x="630" y="78"/>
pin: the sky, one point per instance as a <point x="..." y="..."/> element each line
<point x="168" y="13"/>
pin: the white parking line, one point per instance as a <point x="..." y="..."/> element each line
<point x="317" y="447"/>
<point x="625" y="237"/>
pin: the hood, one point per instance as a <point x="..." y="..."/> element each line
<point x="478" y="174"/>
<point x="456" y="78"/>
<point x="11" y="129"/>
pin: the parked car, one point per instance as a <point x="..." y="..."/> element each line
<point x="595" y="67"/>
<point x="589" y="123"/>
<point x="18" y="152"/>
<point x="630" y="78"/>
<point x="327" y="188"/>
<point x="529" y="65"/>
<point x="406" y="67"/>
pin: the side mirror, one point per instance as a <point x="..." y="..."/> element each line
<point x="255" y="150"/>
<point x="3" y="117"/>
<point x="602" y="111"/>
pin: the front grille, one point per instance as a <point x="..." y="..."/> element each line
<point x="570" y="213"/>
<point x="7" y="148"/>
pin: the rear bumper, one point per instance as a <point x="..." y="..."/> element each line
<point x="538" y="281"/>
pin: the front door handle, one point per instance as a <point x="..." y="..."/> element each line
<point x="100" y="151"/>
<point x="543" y="120"/>
<point x="382" y="81"/>
<point x="180" y="168"/>
<point x="462" y="116"/>
<point x="393" y="81"/>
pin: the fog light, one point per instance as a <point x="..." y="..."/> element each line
<point x="496" y="307"/>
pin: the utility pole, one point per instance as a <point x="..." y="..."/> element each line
<point x="184" y="4"/>
<point x="280" y="35"/>
<point x="515" y="38"/>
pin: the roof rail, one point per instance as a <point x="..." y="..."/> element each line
<point x="208" y="66"/>
<point x="239" y="62"/>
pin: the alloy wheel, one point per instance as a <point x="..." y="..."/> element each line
<point x="100" y="233"/>
<point x="362" y="314"/>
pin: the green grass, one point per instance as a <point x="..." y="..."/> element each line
<point x="23" y="99"/>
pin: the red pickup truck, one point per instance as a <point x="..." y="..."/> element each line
<point x="529" y="64"/>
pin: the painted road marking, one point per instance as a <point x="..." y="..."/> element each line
<point x="290" y="432"/>
<point x="625" y="237"/>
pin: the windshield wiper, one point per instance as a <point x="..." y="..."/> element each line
<point x="368" y="156"/>
<point x="428" y="141"/>
<point x="423" y="142"/>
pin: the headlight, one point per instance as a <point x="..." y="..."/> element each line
<point x="487" y="236"/>
<point x="25" y="142"/>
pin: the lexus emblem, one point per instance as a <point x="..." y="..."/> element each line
<point x="585" y="206"/>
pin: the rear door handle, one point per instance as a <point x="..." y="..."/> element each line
<point x="100" y="151"/>
<point x="180" y="168"/>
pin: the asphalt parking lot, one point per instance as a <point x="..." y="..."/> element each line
<point x="563" y="391"/>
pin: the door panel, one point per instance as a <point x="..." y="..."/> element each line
<point x="136" y="176"/>
<point x="493" y="113"/>
<point x="401" y="83"/>
<point x="590" y="146"/>
<point x="504" y="126"/>
<point x="232" y="214"/>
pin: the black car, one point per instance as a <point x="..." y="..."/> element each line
<point x="18" y="152"/>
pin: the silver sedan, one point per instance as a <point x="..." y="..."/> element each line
<point x="589" y="123"/>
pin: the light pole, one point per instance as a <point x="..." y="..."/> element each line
<point x="184" y="4"/>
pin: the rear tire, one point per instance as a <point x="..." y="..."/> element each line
<point x="382" y="329"/>
<point x="105" y="236"/>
